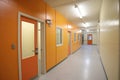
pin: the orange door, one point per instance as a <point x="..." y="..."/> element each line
<point x="29" y="57"/>
<point x="89" y="39"/>
<point x="69" y="43"/>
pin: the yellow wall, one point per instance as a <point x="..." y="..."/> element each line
<point x="76" y="44"/>
<point x="109" y="38"/>
<point x="62" y="51"/>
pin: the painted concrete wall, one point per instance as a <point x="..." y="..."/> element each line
<point x="109" y="38"/>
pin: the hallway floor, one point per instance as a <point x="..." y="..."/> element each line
<point x="84" y="64"/>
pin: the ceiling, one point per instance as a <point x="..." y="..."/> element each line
<point x="89" y="9"/>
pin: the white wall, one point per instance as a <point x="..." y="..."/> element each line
<point x="109" y="38"/>
<point x="85" y="38"/>
<point x="94" y="38"/>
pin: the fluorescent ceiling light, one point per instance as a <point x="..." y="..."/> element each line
<point x="84" y="24"/>
<point x="83" y="10"/>
<point x="87" y="24"/>
<point x="77" y="11"/>
<point x="87" y="30"/>
<point x="80" y="31"/>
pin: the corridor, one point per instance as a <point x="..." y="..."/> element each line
<point x="39" y="36"/>
<point x="84" y="64"/>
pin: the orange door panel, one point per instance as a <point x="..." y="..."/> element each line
<point x="69" y="43"/>
<point x="89" y="39"/>
<point x="29" y="57"/>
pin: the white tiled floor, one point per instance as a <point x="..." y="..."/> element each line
<point x="82" y="65"/>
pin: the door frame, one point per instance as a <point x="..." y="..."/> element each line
<point x="69" y="32"/>
<point x="43" y="50"/>
<point x="89" y="34"/>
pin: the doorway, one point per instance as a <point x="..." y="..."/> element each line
<point x="82" y="39"/>
<point x="89" y="39"/>
<point x="31" y="47"/>
<point x="69" y="43"/>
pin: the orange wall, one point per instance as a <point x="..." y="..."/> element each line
<point x="8" y="34"/>
<point x="34" y="8"/>
<point x="50" y="39"/>
<point x="8" y="28"/>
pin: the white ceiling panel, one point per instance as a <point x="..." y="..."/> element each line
<point x="90" y="9"/>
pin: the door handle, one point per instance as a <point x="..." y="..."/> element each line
<point x="35" y="51"/>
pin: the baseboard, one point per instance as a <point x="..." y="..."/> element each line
<point x="103" y="65"/>
<point x="62" y="60"/>
<point x="57" y="64"/>
<point x="76" y="50"/>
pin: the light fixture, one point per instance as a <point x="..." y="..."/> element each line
<point x="49" y="22"/>
<point x="84" y="24"/>
<point x="87" y="30"/>
<point x="80" y="31"/>
<point x="78" y="11"/>
<point x="83" y="10"/>
<point x="69" y="26"/>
